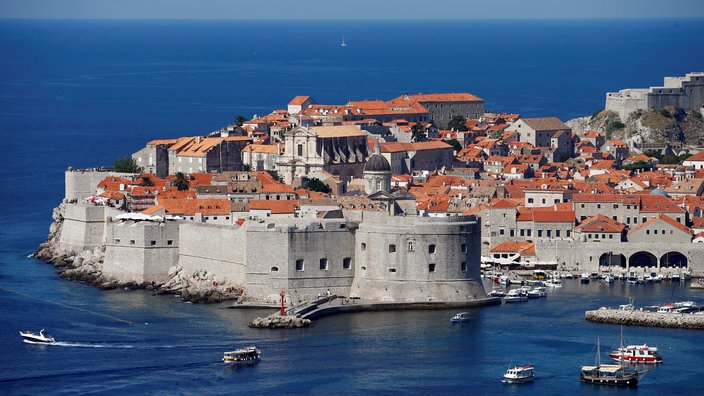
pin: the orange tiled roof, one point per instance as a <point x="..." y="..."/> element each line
<point x="667" y="219"/>
<point x="187" y="207"/>
<point x="524" y="248"/>
<point x="601" y="223"/>
<point x="275" y="206"/>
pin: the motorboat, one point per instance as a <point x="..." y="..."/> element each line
<point x="553" y="282"/>
<point x="37" y="338"/>
<point x="497" y="293"/>
<point x="515" y="295"/>
<point x="584" y="278"/>
<point x="460" y="317"/>
<point x="519" y="374"/>
<point x="608" y="374"/>
<point x="537" y="292"/>
<point x="637" y="354"/>
<point x="249" y="354"/>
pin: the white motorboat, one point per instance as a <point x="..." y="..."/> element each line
<point x="537" y="292"/>
<point x="460" y="317"/>
<point x="243" y="355"/>
<point x="515" y="295"/>
<point x="519" y="374"/>
<point x="553" y="282"/>
<point x="37" y="338"/>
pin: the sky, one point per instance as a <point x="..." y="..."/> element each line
<point x="355" y="9"/>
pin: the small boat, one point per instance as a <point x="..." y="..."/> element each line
<point x="584" y="278"/>
<point x="553" y="282"/>
<point x="515" y="295"/>
<point x="608" y="374"/>
<point x="344" y="44"/>
<point x="497" y="293"/>
<point x="537" y="292"/>
<point x="37" y="338"/>
<point x="243" y="355"/>
<point x="460" y="317"/>
<point x="519" y="374"/>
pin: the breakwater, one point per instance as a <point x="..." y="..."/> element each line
<point x="637" y="317"/>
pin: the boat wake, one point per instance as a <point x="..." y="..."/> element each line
<point x="91" y="345"/>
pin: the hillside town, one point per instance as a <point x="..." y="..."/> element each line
<point x="524" y="192"/>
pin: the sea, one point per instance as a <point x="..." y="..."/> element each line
<point x="82" y="93"/>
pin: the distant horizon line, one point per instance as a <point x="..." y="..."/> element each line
<point x="350" y="19"/>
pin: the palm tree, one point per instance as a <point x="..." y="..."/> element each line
<point x="181" y="181"/>
<point x="240" y="119"/>
<point x="146" y="182"/>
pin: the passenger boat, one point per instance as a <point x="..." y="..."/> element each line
<point x="637" y="354"/>
<point x="34" y="338"/>
<point x="460" y="317"/>
<point x="243" y="355"/>
<point x="608" y="374"/>
<point x="519" y="374"/>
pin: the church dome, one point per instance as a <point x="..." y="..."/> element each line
<point x="659" y="191"/>
<point x="377" y="163"/>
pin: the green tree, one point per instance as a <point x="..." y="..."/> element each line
<point x="146" y="182"/>
<point x="247" y="167"/>
<point x="126" y="164"/>
<point x="240" y="119"/>
<point x="458" y="123"/>
<point x="314" y="184"/>
<point x="418" y="133"/>
<point x="454" y="143"/>
<point x="181" y="181"/>
<point x="276" y="176"/>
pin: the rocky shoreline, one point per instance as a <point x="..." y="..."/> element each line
<point x="87" y="266"/>
<point x="637" y="317"/>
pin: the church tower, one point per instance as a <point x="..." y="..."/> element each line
<point x="377" y="172"/>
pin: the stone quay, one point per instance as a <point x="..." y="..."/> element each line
<point x="639" y="317"/>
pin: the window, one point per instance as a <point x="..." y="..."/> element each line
<point x="463" y="248"/>
<point x="530" y="200"/>
<point x="274" y="269"/>
<point x="549" y="233"/>
<point x="540" y="233"/>
<point x="131" y="241"/>
<point x="523" y="232"/>
<point x="557" y="233"/>
<point x="152" y="243"/>
<point x="300" y="150"/>
<point x="501" y="231"/>
<point x="117" y="241"/>
<point x="568" y="233"/>
<point x="364" y="246"/>
<point x="510" y="232"/>
<point x="300" y="265"/>
<point x="392" y="270"/>
<point x="410" y="246"/>
<point x="347" y="263"/>
<point x="324" y="264"/>
<point x="463" y="266"/>
<point x="392" y="248"/>
<point x="529" y="232"/>
<point x="598" y="206"/>
<point x="431" y="249"/>
<point x="431" y="267"/>
<point x="170" y="242"/>
<point x="647" y="232"/>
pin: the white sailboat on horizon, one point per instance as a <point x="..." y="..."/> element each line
<point x="344" y="44"/>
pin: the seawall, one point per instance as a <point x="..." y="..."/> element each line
<point x="637" y="317"/>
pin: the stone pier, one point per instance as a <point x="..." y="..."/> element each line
<point x="639" y="317"/>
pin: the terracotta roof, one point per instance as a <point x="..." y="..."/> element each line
<point x="503" y="203"/>
<point x="299" y="100"/>
<point x="275" y="206"/>
<point x="337" y="131"/>
<point x="659" y="203"/>
<point x="526" y="248"/>
<point x="667" y="219"/>
<point x="206" y="206"/>
<point x="442" y="97"/>
<point x="601" y="223"/>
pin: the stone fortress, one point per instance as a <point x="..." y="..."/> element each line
<point x="377" y="256"/>
<point x="686" y="93"/>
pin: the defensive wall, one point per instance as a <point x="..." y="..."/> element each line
<point x="84" y="226"/>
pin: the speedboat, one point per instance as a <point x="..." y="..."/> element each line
<point x="497" y="293"/>
<point x="637" y="354"/>
<point x="460" y="317"/>
<point x="37" y="338"/>
<point x="243" y="355"/>
<point x="519" y="375"/>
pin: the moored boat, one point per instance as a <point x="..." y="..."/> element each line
<point x="584" y="278"/>
<point x="519" y="374"/>
<point x="537" y="292"/>
<point x="515" y="295"/>
<point x="37" y="338"/>
<point x="249" y="354"/>
<point x="460" y="317"/>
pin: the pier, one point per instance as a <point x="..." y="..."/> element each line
<point x="640" y="317"/>
<point x="302" y="315"/>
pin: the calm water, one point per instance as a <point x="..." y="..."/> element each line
<point x="85" y="93"/>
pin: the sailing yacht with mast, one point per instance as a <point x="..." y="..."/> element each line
<point x="608" y="374"/>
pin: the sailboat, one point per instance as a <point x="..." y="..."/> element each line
<point x="344" y="44"/>
<point x="608" y="374"/>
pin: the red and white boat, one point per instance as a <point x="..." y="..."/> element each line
<point x="637" y="354"/>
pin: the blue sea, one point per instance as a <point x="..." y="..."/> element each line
<point x="84" y="93"/>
